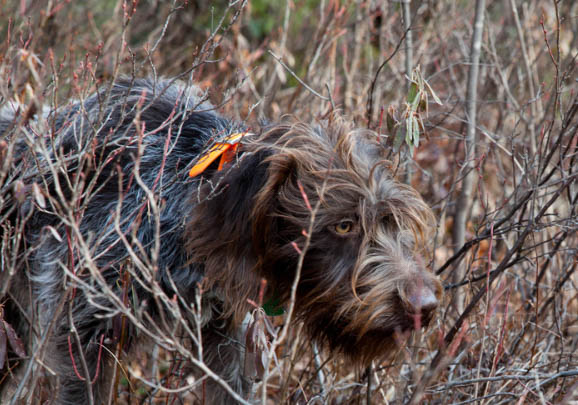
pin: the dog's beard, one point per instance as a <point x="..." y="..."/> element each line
<point x="363" y="323"/>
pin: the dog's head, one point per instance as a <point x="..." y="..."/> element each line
<point x="324" y="194"/>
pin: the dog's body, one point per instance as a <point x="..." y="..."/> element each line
<point x="123" y="219"/>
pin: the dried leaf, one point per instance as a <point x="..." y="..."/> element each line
<point x="15" y="342"/>
<point x="399" y="137"/>
<point x="3" y="346"/>
<point x="38" y="195"/>
<point x="389" y="122"/>
<point x="254" y="346"/>
<point x="409" y="133"/>
<point x="54" y="233"/>
<point x="263" y="361"/>
<point x="19" y="190"/>
<point x="422" y="105"/>
<point x="413" y="93"/>
<point x="433" y="94"/>
<point x="3" y="149"/>
<point x="415" y="133"/>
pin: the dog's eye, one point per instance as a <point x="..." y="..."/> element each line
<point x="344" y="227"/>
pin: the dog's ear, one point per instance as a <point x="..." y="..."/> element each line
<point x="281" y="168"/>
<point x="233" y="220"/>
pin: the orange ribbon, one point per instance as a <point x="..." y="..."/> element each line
<point x="226" y="150"/>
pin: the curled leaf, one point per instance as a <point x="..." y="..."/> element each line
<point x="433" y="94"/>
<point x="54" y="233"/>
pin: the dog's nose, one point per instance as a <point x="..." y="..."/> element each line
<point x="422" y="301"/>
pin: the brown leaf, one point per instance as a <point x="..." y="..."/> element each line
<point x="3" y="148"/>
<point x="19" y="190"/>
<point x="390" y="122"/>
<point x="256" y="348"/>
<point x="15" y="342"/>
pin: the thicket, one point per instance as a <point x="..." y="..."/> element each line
<point x="494" y="153"/>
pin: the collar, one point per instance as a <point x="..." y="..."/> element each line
<point x="226" y="150"/>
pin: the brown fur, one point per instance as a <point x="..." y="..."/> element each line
<point x="353" y="292"/>
<point x="362" y="277"/>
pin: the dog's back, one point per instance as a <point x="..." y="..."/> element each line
<point x="79" y="178"/>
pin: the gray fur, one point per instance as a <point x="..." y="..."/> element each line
<point x="109" y="120"/>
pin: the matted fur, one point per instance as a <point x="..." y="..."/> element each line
<point x="227" y="229"/>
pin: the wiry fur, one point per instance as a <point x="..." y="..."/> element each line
<point x="225" y="229"/>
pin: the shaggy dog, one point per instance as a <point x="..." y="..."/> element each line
<point x="114" y="224"/>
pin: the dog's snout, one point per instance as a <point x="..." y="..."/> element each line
<point x="420" y="300"/>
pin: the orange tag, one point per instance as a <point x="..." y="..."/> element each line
<point x="226" y="150"/>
